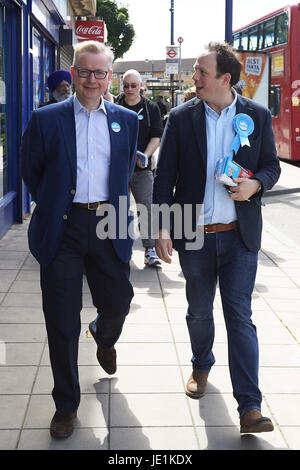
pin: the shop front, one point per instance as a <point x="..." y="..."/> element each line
<point x="10" y="79"/>
<point x="33" y="44"/>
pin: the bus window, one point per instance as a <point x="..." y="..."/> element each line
<point x="236" y="41"/>
<point x="244" y="41"/>
<point x="275" y="100"/>
<point x="269" y="33"/>
<point x="260" y="36"/>
<point x="253" y="39"/>
<point x="282" y="29"/>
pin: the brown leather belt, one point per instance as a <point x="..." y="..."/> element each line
<point x="214" y="228"/>
<point x="91" y="206"/>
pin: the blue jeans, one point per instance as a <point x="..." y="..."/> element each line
<point x="224" y="257"/>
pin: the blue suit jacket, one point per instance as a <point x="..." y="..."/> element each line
<point x="182" y="164"/>
<point x="49" y="169"/>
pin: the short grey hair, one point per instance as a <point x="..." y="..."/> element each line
<point x="133" y="72"/>
<point x="94" y="47"/>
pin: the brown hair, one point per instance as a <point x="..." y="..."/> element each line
<point x="227" y="60"/>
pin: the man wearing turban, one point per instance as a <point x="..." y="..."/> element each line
<point x="59" y="83"/>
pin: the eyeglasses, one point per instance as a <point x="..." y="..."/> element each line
<point x="130" y="85"/>
<point x="85" y="73"/>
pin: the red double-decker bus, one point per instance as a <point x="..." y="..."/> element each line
<point x="278" y="34"/>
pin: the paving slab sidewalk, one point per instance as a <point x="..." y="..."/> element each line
<point x="143" y="406"/>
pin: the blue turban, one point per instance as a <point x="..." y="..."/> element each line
<point x="57" y="77"/>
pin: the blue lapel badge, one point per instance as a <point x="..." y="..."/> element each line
<point x="115" y="126"/>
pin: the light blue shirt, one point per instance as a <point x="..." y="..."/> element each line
<point x="217" y="205"/>
<point x="93" y="153"/>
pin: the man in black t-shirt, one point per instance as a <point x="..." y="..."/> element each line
<point x="150" y="132"/>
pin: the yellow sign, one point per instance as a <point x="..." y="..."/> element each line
<point x="277" y="64"/>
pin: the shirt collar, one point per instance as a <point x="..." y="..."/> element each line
<point x="79" y="107"/>
<point x="226" y="110"/>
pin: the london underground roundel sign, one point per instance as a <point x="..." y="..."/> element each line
<point x="172" y="53"/>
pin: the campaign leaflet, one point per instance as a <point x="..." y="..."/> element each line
<point x="227" y="169"/>
<point x="143" y="158"/>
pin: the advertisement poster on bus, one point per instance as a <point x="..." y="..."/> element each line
<point x="255" y="76"/>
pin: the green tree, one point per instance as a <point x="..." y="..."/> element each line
<point x="120" y="33"/>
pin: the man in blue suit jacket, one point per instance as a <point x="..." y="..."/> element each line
<point x="226" y="223"/>
<point x="77" y="159"/>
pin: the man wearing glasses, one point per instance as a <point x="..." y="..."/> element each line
<point x="150" y="132"/>
<point x="77" y="155"/>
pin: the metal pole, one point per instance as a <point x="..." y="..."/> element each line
<point x="228" y="21"/>
<point x="172" y="22"/>
<point x="179" y="71"/>
<point x="172" y="44"/>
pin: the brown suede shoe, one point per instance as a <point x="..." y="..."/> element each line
<point x="62" y="424"/>
<point x="107" y="357"/>
<point x="253" y="421"/>
<point x="196" y="385"/>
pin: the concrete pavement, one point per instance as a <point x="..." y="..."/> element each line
<point x="143" y="406"/>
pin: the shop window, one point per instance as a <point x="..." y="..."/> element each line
<point x="37" y="68"/>
<point x="3" y="117"/>
<point x="48" y="67"/>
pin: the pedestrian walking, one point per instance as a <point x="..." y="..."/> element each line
<point x="150" y="131"/>
<point x="76" y="156"/>
<point x="218" y="123"/>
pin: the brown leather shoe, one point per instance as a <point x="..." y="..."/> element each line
<point x="196" y="385"/>
<point x="253" y="421"/>
<point x="62" y="424"/>
<point x="107" y="357"/>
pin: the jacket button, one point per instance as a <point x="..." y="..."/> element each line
<point x="73" y="191"/>
<point x="65" y="216"/>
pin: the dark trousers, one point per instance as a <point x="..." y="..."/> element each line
<point x="61" y="283"/>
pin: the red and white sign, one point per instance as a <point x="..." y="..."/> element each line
<point x="90" y="30"/>
<point x="180" y="40"/>
<point x="172" y="53"/>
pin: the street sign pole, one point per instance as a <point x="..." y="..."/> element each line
<point x="180" y="41"/>
<point x="179" y="67"/>
<point x="172" y="42"/>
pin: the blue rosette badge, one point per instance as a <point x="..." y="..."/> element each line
<point x="244" y="126"/>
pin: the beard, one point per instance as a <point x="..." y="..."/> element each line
<point x="61" y="96"/>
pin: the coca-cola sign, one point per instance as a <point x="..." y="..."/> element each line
<point x="87" y="30"/>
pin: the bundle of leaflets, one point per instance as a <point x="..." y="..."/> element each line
<point x="143" y="158"/>
<point x="227" y="169"/>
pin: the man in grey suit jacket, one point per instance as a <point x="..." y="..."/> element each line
<point x="227" y="221"/>
<point x="77" y="157"/>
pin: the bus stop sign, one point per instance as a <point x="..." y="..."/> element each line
<point x="172" y="53"/>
